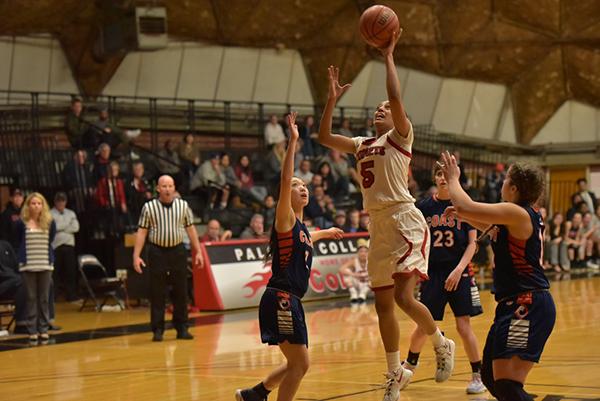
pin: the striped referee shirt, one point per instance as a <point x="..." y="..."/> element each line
<point x="166" y="223"/>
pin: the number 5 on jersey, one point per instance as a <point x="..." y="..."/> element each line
<point x="367" y="175"/>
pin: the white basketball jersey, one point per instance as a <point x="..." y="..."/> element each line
<point x="383" y="166"/>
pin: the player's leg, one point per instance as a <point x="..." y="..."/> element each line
<point x="396" y="375"/>
<point x="509" y="376"/>
<point x="444" y="348"/>
<point x="297" y="366"/>
<point x="463" y="326"/>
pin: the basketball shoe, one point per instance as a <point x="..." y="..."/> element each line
<point x="396" y="380"/>
<point x="444" y="356"/>
<point x="476" y="386"/>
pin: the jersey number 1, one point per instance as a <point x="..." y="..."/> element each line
<point x="368" y="176"/>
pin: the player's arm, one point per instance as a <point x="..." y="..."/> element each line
<point x="284" y="214"/>
<point x="506" y="213"/>
<point x="330" y="233"/>
<point x="454" y="277"/>
<point x="481" y="226"/>
<point x="326" y="137"/>
<point x="392" y="84"/>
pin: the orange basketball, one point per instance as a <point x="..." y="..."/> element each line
<point x="377" y="25"/>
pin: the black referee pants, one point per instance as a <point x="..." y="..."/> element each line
<point x="168" y="266"/>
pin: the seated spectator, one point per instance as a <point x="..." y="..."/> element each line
<point x="11" y="282"/>
<point x="138" y="191"/>
<point x="355" y="273"/>
<point x="345" y="128"/>
<point x="10" y="217"/>
<point x="210" y="176"/>
<point x="110" y="195"/>
<point x="65" y="258"/>
<point x="243" y="171"/>
<point x="494" y="182"/>
<point x="169" y="163"/>
<point x="75" y="126"/>
<point x="363" y="223"/>
<point x="587" y="196"/>
<point x="256" y="228"/>
<point x="320" y="208"/>
<point x="268" y="211"/>
<point x="214" y="232"/>
<point x="339" y="219"/>
<point x="576" y="203"/>
<point x="272" y="168"/>
<point x="230" y="178"/>
<point x="102" y="131"/>
<point x="556" y="244"/>
<point x="316" y="181"/>
<point x="303" y="172"/>
<point x="306" y="135"/>
<point x="189" y="154"/>
<point x="342" y="172"/>
<point x="329" y="180"/>
<point x="102" y="161"/>
<point x="574" y="242"/>
<point x="353" y="224"/>
<point x="274" y="132"/>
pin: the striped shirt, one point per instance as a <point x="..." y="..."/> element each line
<point x="166" y="223"/>
<point x="36" y="248"/>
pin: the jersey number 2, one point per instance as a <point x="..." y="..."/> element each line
<point x="368" y="176"/>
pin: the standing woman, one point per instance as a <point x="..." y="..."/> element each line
<point x="36" y="259"/>
<point x="525" y="314"/>
<point x="281" y="315"/>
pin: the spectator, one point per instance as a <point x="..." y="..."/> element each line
<point x="307" y="132"/>
<point x="576" y="203"/>
<point x="215" y="233"/>
<point x="575" y="245"/>
<point x="342" y="171"/>
<point x="78" y="179"/>
<point x="329" y="180"/>
<point x="345" y="128"/>
<point x="268" y="211"/>
<point x="256" y="229"/>
<point x="363" y="223"/>
<point x="494" y="182"/>
<point x="65" y="260"/>
<point x="102" y="131"/>
<point x="303" y="172"/>
<point x="339" y="219"/>
<point x="588" y="229"/>
<point x="556" y="244"/>
<point x="189" y="155"/>
<point x="10" y="217"/>
<point x="274" y="132"/>
<point x="231" y="178"/>
<point x="353" y="224"/>
<point x="138" y="191"/>
<point x="355" y="273"/>
<point x="102" y="161"/>
<point x="169" y="162"/>
<point x="36" y="258"/>
<point x="316" y="181"/>
<point x="11" y="283"/>
<point x="75" y="127"/>
<point x="320" y="208"/>
<point x="210" y="175"/>
<point x="244" y="173"/>
<point x="369" y="130"/>
<point x="587" y="196"/>
<point x="272" y="168"/>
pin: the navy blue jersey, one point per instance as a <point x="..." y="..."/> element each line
<point x="519" y="262"/>
<point x="449" y="237"/>
<point x="292" y="260"/>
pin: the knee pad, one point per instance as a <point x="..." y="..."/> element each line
<point x="510" y="390"/>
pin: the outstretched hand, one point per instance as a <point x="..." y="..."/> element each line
<point x="335" y="89"/>
<point x="335" y="233"/>
<point x="449" y="166"/>
<point x="292" y="125"/>
<point x="389" y="50"/>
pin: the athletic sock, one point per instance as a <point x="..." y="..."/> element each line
<point x="476" y="367"/>
<point x="413" y="358"/>
<point x="437" y="338"/>
<point x="261" y="390"/>
<point x="393" y="360"/>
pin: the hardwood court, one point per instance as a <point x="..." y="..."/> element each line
<point x="346" y="352"/>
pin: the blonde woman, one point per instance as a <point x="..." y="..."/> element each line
<point x="36" y="259"/>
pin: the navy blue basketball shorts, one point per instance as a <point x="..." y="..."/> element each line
<point x="281" y="318"/>
<point x="464" y="301"/>
<point x="521" y="327"/>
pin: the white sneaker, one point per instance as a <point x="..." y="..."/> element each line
<point x="592" y="265"/>
<point x="396" y="380"/>
<point x="444" y="356"/>
<point x="408" y="366"/>
<point x="476" y="386"/>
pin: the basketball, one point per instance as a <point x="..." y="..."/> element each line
<point x="377" y="25"/>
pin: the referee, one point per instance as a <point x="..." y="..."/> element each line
<point x="163" y="221"/>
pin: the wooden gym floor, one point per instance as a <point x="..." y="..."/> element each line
<point x="109" y="356"/>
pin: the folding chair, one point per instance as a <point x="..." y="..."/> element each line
<point x="97" y="283"/>
<point x="7" y="309"/>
